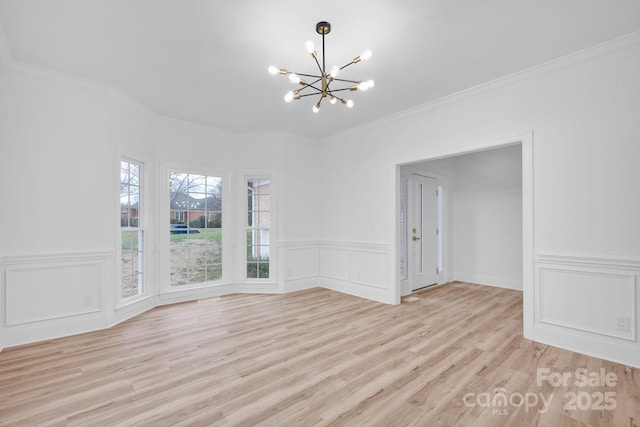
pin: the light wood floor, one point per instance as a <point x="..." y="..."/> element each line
<point x="314" y="357"/>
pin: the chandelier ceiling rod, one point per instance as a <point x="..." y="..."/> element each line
<point x="328" y="26"/>
<point x="323" y="28"/>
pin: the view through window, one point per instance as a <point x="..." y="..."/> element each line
<point x="132" y="248"/>
<point x="258" y="227"/>
<point x="195" y="228"/>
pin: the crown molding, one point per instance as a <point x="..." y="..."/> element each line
<point x="7" y="59"/>
<point x="176" y="121"/>
<point x="71" y="79"/>
<point x="254" y="135"/>
<point x="612" y="50"/>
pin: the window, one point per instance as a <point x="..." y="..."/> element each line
<point x="258" y="227"/>
<point x="178" y="217"/>
<point x="132" y="235"/>
<point x="195" y="228"/>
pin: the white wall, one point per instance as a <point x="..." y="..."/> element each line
<point x="61" y="140"/>
<point x="583" y="112"/>
<point x="54" y="139"/>
<point x="486" y="208"/>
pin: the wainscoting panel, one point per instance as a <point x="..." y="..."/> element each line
<point x="334" y="263"/>
<point x="51" y="295"/>
<point x="597" y="300"/>
<point x="299" y="268"/>
<point x="301" y="263"/>
<point x="355" y="268"/>
<point x="44" y="293"/>
<point x="369" y="268"/>
<point x="588" y="295"/>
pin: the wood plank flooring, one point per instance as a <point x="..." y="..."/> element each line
<point x="313" y="358"/>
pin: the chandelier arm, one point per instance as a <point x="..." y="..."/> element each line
<point x="347" y="81"/>
<point x="338" y="90"/>
<point x="338" y="98"/>
<point x="309" y="75"/>
<point x="328" y="88"/>
<point x="346" y="65"/>
<point x="308" y="94"/>
<point x="317" y="63"/>
<point x="311" y="86"/>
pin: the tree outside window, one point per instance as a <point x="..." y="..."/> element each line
<point x="195" y="228"/>
<point x="132" y="235"/>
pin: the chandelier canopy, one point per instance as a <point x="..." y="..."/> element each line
<point x="325" y="84"/>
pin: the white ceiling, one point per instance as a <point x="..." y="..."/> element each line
<point x="206" y="61"/>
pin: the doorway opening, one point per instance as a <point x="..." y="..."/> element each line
<point x="470" y="262"/>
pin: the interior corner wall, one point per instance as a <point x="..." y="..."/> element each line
<point x="288" y="159"/>
<point x="486" y="209"/>
<point x="61" y="140"/>
<point x="583" y="113"/>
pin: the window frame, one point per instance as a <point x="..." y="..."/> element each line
<point x="140" y="229"/>
<point x="245" y="212"/>
<point x="167" y="286"/>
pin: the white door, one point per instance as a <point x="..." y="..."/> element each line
<point x="423" y="232"/>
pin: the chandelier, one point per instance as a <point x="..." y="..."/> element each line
<point x="325" y="84"/>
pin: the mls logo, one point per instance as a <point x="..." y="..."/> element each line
<point x="501" y="412"/>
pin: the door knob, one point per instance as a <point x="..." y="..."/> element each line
<point x="415" y="238"/>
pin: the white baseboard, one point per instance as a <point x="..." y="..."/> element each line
<point x="356" y="289"/>
<point x="133" y="309"/>
<point x="607" y="349"/>
<point x="300" y="284"/>
<point x="193" y="294"/>
<point x="497" y="282"/>
<point x="52" y="329"/>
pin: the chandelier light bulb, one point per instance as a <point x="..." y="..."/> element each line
<point x="333" y="99"/>
<point x="363" y="86"/>
<point x="273" y="70"/>
<point x="310" y="46"/>
<point x="288" y="97"/>
<point x="366" y="55"/>
<point x="350" y="103"/>
<point x="316" y="107"/>
<point x="293" y="78"/>
<point x="335" y="70"/>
